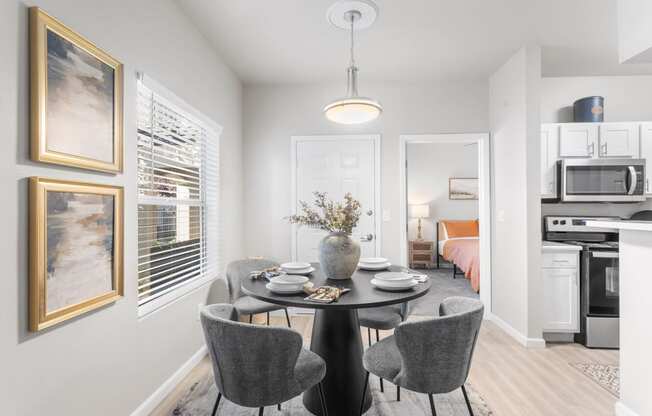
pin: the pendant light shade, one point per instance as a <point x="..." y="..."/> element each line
<point x="353" y="109"/>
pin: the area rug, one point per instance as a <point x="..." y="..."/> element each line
<point x="200" y="398"/>
<point x="607" y="376"/>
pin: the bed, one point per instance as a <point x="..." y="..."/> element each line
<point x="458" y="243"/>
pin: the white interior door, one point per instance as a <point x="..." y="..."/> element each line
<point x="336" y="165"/>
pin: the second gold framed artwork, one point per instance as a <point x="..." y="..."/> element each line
<point x="76" y="246"/>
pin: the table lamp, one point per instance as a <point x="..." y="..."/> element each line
<point x="419" y="211"/>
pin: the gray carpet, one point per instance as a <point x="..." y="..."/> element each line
<point x="443" y="286"/>
<point x="199" y="401"/>
<point x="606" y="375"/>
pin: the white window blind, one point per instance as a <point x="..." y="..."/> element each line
<point x="178" y="188"/>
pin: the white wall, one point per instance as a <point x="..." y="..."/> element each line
<point x="106" y="362"/>
<point x="274" y="113"/>
<point x="635" y="31"/>
<point x="627" y="98"/>
<point x="516" y="249"/>
<point x="430" y="165"/>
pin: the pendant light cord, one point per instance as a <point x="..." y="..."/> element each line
<point x="352" y="40"/>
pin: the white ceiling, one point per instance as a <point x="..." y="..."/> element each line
<point x="290" y="41"/>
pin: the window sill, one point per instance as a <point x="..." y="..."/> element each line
<point x="169" y="299"/>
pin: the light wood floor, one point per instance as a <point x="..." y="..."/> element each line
<point x="513" y="380"/>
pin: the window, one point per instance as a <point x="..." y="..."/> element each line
<point x="178" y="178"/>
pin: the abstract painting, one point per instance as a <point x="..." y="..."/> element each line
<point x="76" y="99"/>
<point x="76" y="248"/>
<point x="463" y="188"/>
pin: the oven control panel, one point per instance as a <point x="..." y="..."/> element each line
<point x="553" y="223"/>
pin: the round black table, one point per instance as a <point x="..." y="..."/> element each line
<point x="336" y="334"/>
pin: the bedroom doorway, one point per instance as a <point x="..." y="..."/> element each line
<point x="459" y="166"/>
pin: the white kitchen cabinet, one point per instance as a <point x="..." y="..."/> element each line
<point x="619" y="140"/>
<point x="646" y="153"/>
<point x="549" y="157"/>
<point x="578" y="140"/>
<point x="561" y="295"/>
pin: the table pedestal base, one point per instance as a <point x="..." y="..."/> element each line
<point x="336" y="338"/>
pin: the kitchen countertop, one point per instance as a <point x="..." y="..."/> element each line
<point x="622" y="225"/>
<point x="555" y="246"/>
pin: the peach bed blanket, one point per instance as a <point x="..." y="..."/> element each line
<point x="465" y="253"/>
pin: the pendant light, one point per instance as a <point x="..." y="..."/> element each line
<point x="352" y="109"/>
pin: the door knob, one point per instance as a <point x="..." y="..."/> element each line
<point x="367" y="237"/>
<point x="370" y="213"/>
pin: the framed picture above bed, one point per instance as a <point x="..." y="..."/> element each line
<point x="463" y="188"/>
<point x="76" y="98"/>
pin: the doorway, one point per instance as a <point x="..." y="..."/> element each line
<point x="336" y="165"/>
<point x="482" y="141"/>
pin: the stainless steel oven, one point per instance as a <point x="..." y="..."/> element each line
<point x="600" y="285"/>
<point x="602" y="180"/>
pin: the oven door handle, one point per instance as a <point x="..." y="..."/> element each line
<point x="605" y="254"/>
<point x="633" y="178"/>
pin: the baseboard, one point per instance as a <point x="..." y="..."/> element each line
<point x="520" y="338"/>
<point x="622" y="410"/>
<point x="148" y="406"/>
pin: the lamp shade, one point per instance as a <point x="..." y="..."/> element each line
<point x="419" y="211"/>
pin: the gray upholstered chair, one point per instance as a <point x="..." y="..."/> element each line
<point x="258" y="366"/>
<point x="431" y="356"/>
<point x="383" y="318"/>
<point x="238" y="270"/>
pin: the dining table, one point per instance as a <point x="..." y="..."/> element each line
<point x="336" y="332"/>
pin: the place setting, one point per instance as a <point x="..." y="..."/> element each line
<point x="373" y="263"/>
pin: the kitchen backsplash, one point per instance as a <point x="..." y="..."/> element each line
<point x="595" y="209"/>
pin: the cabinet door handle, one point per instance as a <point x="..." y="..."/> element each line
<point x="604" y="151"/>
<point x="591" y="149"/>
<point x="647" y="185"/>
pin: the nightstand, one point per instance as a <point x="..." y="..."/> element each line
<point x="421" y="252"/>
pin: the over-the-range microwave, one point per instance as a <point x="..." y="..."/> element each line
<point x="601" y="180"/>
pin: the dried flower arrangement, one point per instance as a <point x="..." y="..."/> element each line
<point x="335" y="217"/>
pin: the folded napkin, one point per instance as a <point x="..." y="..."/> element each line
<point x="421" y="278"/>
<point x="324" y="294"/>
<point x="266" y="274"/>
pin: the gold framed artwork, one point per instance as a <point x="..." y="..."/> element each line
<point x="463" y="188"/>
<point x="76" y="248"/>
<point x="76" y="98"/>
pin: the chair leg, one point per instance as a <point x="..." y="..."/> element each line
<point x="278" y="406"/>
<point x="382" y="387"/>
<point x="251" y="317"/>
<point x="364" y="391"/>
<point x="432" y="405"/>
<point x="322" y="399"/>
<point x="261" y="410"/>
<point x="398" y="393"/>
<point x="287" y="317"/>
<point x="466" y="399"/>
<point x="267" y="318"/>
<point x="369" y="336"/>
<point x="217" y="403"/>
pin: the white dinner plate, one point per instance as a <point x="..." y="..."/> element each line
<point x="380" y="266"/>
<point x="282" y="290"/>
<point x="380" y="285"/>
<point x="393" y="277"/>
<point x="288" y="280"/>
<point x="373" y="260"/>
<point x="300" y="272"/>
<point x="295" y="266"/>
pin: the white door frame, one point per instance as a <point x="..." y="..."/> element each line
<point x="484" y="201"/>
<point x="375" y="139"/>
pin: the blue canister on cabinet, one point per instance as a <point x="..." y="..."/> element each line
<point x="589" y="110"/>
